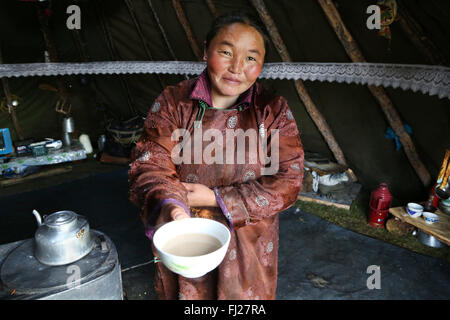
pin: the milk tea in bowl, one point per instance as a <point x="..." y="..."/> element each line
<point x="192" y="247"/>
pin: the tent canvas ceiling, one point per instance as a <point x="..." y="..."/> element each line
<point x="351" y="111"/>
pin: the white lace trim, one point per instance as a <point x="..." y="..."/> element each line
<point x="433" y="80"/>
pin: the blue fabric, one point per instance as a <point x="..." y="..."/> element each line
<point x="390" y="134"/>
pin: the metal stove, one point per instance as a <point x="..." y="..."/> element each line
<point x="97" y="276"/>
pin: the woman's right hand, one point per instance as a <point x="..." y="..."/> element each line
<point x="174" y="211"/>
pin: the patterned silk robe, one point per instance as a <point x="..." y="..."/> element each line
<point x="249" y="199"/>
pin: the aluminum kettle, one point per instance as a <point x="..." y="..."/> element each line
<point x="62" y="237"/>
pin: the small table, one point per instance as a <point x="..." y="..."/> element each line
<point x="440" y="229"/>
<point x="64" y="154"/>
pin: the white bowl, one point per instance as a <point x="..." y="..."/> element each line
<point x="192" y="266"/>
<point x="430" y="218"/>
<point x="415" y="210"/>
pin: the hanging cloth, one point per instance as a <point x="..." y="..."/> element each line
<point x="388" y="13"/>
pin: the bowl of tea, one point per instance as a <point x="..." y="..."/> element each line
<point x="192" y="247"/>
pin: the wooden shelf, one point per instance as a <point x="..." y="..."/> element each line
<point x="341" y="200"/>
<point x="440" y="229"/>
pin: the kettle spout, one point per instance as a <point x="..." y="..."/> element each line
<point x="38" y="217"/>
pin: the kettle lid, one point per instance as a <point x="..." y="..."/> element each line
<point x="60" y="218"/>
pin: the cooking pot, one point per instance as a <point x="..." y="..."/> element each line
<point x="429" y="240"/>
<point x="61" y="238"/>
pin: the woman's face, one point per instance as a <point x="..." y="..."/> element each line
<point x="235" y="58"/>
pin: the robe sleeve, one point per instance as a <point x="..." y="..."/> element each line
<point x="250" y="202"/>
<point x="153" y="177"/>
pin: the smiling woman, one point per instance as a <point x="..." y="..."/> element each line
<point x="240" y="192"/>
<point x="235" y="57"/>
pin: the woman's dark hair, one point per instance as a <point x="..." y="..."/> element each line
<point x="236" y="17"/>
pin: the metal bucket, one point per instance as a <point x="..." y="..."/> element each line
<point x="444" y="206"/>
<point x="429" y="240"/>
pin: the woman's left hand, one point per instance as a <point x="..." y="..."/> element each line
<point x="200" y="195"/>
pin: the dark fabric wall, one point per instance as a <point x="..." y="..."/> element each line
<point x="351" y="111"/>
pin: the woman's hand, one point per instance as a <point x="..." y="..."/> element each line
<point x="174" y="211"/>
<point x="200" y="195"/>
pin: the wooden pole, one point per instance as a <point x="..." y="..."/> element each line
<point x="81" y="45"/>
<point x="12" y="109"/>
<point x="417" y="36"/>
<point x="51" y="48"/>
<point x="132" y="12"/>
<point x="187" y="28"/>
<point x="379" y="93"/>
<point x="212" y="8"/>
<point x="163" y="33"/>
<point x="161" y="29"/>
<point x="9" y="104"/>
<point x="113" y="52"/>
<point x="315" y="114"/>
<point x="45" y="29"/>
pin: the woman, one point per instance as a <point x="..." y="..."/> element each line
<point x="247" y="196"/>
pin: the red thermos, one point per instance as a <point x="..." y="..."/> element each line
<point x="380" y="201"/>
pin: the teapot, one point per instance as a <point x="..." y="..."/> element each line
<point x="61" y="238"/>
